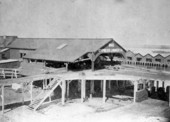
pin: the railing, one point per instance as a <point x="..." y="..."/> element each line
<point x="9" y="72"/>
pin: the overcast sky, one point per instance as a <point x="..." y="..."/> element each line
<point x="129" y="22"/>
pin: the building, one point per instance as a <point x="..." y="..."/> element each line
<point x="129" y="57"/>
<point x="70" y="51"/>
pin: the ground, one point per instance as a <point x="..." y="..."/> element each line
<point x="93" y="110"/>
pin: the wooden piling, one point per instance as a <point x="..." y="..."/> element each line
<point x="23" y="93"/>
<point x="63" y="92"/>
<point x="135" y="90"/>
<point x="83" y="90"/>
<point x="31" y="91"/>
<point x="104" y="91"/>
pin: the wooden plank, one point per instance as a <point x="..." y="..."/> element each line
<point x="104" y="91"/>
<point x="63" y="92"/>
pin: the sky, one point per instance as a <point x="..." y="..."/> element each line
<point x="129" y="22"/>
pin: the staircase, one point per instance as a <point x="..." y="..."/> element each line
<point x="36" y="103"/>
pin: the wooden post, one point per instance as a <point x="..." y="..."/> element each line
<point x="157" y="85"/>
<point x="68" y="87"/>
<point x="23" y="93"/>
<point x="83" y="90"/>
<point x="63" y="91"/>
<point x="101" y="85"/>
<point x="66" y="66"/>
<point x="2" y="96"/>
<point x="92" y="62"/>
<point x="104" y="91"/>
<point x="92" y="87"/>
<point x="31" y="88"/>
<point x="135" y="90"/>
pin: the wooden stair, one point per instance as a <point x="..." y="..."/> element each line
<point x="36" y="103"/>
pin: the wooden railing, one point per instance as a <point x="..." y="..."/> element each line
<point x="8" y="73"/>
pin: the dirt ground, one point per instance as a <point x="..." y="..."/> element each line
<point x="93" y="110"/>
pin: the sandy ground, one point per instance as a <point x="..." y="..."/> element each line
<point x="93" y="110"/>
<point x="12" y="96"/>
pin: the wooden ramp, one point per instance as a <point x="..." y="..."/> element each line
<point x="38" y="101"/>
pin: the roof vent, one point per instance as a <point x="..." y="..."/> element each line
<point x="61" y="46"/>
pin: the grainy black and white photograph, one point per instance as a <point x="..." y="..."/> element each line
<point x="84" y="60"/>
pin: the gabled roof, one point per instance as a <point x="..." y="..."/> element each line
<point x="148" y="55"/>
<point x="158" y="55"/>
<point x="138" y="54"/>
<point x="67" y="50"/>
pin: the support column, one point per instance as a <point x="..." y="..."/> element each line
<point x="104" y="91"/>
<point x="157" y="85"/>
<point x="2" y="96"/>
<point x="83" y="90"/>
<point x="68" y="88"/>
<point x="66" y="66"/>
<point x="31" y="89"/>
<point x="92" y="61"/>
<point x="92" y="87"/>
<point x="163" y="85"/>
<point x="101" y="85"/>
<point x="63" y="92"/>
<point x="23" y="93"/>
<point x="135" y="90"/>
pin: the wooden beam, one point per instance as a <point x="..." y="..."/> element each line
<point x="31" y="91"/>
<point x="104" y="91"/>
<point x="23" y="93"/>
<point x="109" y="84"/>
<point x="101" y="85"/>
<point x="2" y="96"/>
<point x="68" y="88"/>
<point x="63" y="91"/>
<point x="157" y="85"/>
<point x="135" y="90"/>
<point x="92" y="61"/>
<point x="92" y="87"/>
<point x="66" y="66"/>
<point x="83" y="90"/>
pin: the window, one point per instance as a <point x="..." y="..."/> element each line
<point x="22" y="55"/>
<point x="139" y="59"/>
<point x="148" y="60"/>
<point x="129" y="58"/>
<point x="4" y="56"/>
<point x="158" y="60"/>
